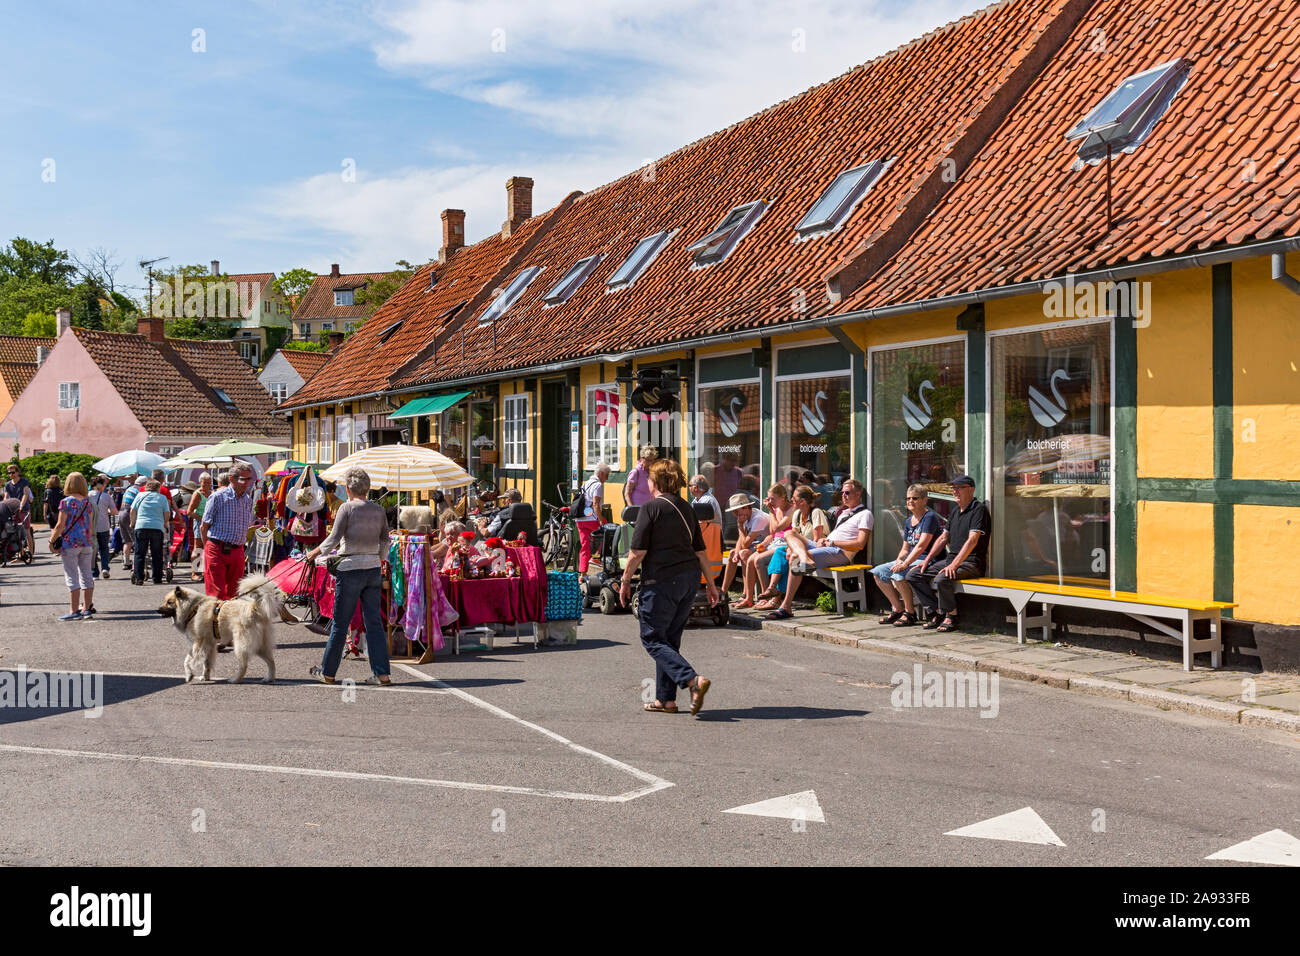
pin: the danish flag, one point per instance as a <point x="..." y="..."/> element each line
<point x="606" y="409"/>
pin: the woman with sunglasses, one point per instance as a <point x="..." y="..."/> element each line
<point x="919" y="531"/>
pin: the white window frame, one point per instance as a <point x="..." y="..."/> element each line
<point x="360" y="432"/>
<point x="327" y="326"/>
<point x="279" y="391"/>
<point x="304" y="330"/>
<point x="510" y="294"/>
<point x="344" y="297"/>
<point x="515" y="431"/>
<point x="327" y="438"/>
<point x="649" y="252"/>
<point x="612" y="438"/>
<point x="572" y="281"/>
<point x="312" y="446"/>
<point x="724" y="240"/>
<point x="870" y="175"/>
<point x="342" y="444"/>
<point x="69" y="395"/>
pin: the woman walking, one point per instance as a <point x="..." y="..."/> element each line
<point x="73" y="539"/>
<point x="151" y="516"/>
<point x="105" y="511"/>
<point x="360" y="533"/>
<point x="53" y="495"/>
<point x="669" y="549"/>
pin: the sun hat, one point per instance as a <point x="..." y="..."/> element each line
<point x="738" y="501"/>
<point x="190" y="486"/>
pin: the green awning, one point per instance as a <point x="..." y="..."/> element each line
<point x="430" y="405"/>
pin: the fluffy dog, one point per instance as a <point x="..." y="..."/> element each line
<point x="244" y="622"/>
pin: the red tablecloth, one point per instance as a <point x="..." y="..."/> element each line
<point x="501" y="600"/>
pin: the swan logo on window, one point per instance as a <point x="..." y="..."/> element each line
<point x="1049" y="412"/>
<point x="814" y="419"/>
<point x="913" y="414"/>
<point x="729" y="410"/>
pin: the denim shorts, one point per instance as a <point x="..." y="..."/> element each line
<point x="882" y="570"/>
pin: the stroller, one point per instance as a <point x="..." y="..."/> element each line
<point x="14" y="545"/>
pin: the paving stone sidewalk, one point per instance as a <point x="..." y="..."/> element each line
<point x="1239" y="696"/>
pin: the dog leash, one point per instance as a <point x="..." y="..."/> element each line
<point x="216" y="612"/>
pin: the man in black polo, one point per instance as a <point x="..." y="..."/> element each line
<point x="967" y="541"/>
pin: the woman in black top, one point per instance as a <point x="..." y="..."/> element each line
<point x="668" y="547"/>
<point x="53" y="495"/>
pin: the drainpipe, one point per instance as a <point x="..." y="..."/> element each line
<point x="1281" y="275"/>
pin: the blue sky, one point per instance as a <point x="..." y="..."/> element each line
<point x="237" y="151"/>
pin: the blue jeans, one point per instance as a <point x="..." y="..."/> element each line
<point x="103" y="559"/>
<point x="665" y="607"/>
<point x="366" y="586"/>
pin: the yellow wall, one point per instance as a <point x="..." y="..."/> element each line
<point x="1175" y="387"/>
<point x="1266" y="373"/>
<point x="939" y="324"/>
<point x="1175" y="549"/>
<point x="1265" y="537"/>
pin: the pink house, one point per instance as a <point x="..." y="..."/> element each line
<point x="98" y="393"/>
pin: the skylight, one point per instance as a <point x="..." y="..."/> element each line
<point x="510" y="294"/>
<point x="717" y="245"/>
<point x="835" y="204"/>
<point x="389" y="330"/>
<point x="1125" y="117"/>
<point x="225" y="399"/>
<point x="638" y="261"/>
<point x="574" y="278"/>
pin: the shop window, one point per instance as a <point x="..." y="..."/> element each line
<point x="515" y="430"/>
<point x="731" y="444"/>
<point x="344" y="439"/>
<point x="603" y="440"/>
<point x="814" y="432"/>
<point x="1051" y="453"/>
<point x="918" y="432"/>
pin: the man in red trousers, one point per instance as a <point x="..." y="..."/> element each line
<point x="225" y="530"/>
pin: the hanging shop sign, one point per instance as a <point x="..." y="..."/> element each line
<point x="655" y="392"/>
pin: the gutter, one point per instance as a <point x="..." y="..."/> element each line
<point x="1195" y="260"/>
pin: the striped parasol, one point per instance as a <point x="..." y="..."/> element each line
<point x="402" y="468"/>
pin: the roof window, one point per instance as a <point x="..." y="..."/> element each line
<point x="225" y="399"/>
<point x="510" y="294"/>
<point x="835" y="205"/>
<point x="638" y="261"/>
<point x="574" y="278"/>
<point x="1124" y="118"/>
<point x="389" y="330"/>
<point x="717" y="245"/>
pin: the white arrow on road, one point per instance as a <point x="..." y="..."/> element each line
<point x="796" y="806"/>
<point x="1019" y="826"/>
<point x="1276" y="846"/>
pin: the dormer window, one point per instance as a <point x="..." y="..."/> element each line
<point x="1124" y="118"/>
<point x="510" y="294"/>
<point x="574" y="278"/>
<point x="344" y="297"/>
<point x="841" y="197"/>
<point x="717" y="245"/>
<point x="638" y="261"/>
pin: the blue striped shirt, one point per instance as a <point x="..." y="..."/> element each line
<point x="229" y="516"/>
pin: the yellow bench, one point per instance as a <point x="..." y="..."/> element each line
<point x="1143" y="608"/>
<point x="839" y="577"/>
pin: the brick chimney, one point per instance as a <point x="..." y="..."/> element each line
<point x="62" y="320"/>
<point x="519" y="204"/>
<point x="151" y="327"/>
<point x="334" y="270"/>
<point x="214" y="267"/>
<point x="336" y="340"/>
<point x="453" y="232"/>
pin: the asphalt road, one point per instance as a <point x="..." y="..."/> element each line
<point x="523" y="756"/>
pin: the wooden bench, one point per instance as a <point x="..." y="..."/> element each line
<point x="1144" y="608"/>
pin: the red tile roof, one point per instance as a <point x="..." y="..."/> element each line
<point x="318" y="301"/>
<point x="1216" y="170"/>
<point x="22" y="348"/>
<point x="16" y="375"/>
<point x="305" y="363"/>
<point x="169" y="386"/>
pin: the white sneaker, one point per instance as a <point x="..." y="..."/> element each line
<point x="104" y="575"/>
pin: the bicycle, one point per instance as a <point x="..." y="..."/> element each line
<point x="558" y="535"/>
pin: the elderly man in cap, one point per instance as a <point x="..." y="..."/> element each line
<point x="224" y="531"/>
<point x="967" y="542"/>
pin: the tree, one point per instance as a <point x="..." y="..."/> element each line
<point x="379" y="291"/>
<point x="87" y="311"/>
<point x="38" y="323"/>
<point x="25" y="259"/>
<point x="293" y="285"/>
<point x="205" y="308"/>
<point x="304" y="345"/>
<point x="101" y="265"/>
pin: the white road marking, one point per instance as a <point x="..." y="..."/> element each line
<point x="795" y="806"/>
<point x="1276" y="847"/>
<point x="652" y="782"/>
<point x="249" y="681"/>
<point x="1019" y="826"/>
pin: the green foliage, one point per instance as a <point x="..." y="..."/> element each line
<point x="826" y="602"/>
<point x="38" y="323"/>
<point x="199" y="329"/>
<point x="86" y="309"/>
<point x="37" y="468"/>
<point x="304" y="345"/>
<point x="379" y="291"/>
<point x="25" y="259"/>
<point x="274" y="341"/>
<point x="292" y="285"/>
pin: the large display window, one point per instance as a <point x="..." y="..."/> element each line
<point x="1051" y="452"/>
<point x="814" y="432"/>
<point x="918" y="432"/>
<point x="730" y="443"/>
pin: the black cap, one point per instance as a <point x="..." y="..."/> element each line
<point x="963" y="480"/>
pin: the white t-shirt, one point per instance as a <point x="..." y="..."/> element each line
<point x="757" y="525"/>
<point x="847" y="530"/>
<point x="592" y="489"/>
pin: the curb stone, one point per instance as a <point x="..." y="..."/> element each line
<point x="1097" y="686"/>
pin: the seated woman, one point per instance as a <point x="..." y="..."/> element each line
<point x="919" y="531"/>
<point x="805" y="519"/>
<point x="756" y="567"/>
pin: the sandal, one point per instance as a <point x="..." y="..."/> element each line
<point x="742" y="604"/>
<point x="949" y="624"/>
<point x="770" y="604"/>
<point x="891" y="617"/>
<point x="780" y="614"/>
<point x="702" y="685"/>
<point x="318" y="673"/>
<point x="655" y="707"/>
<point x="906" y="620"/>
<point x="769" y="594"/>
